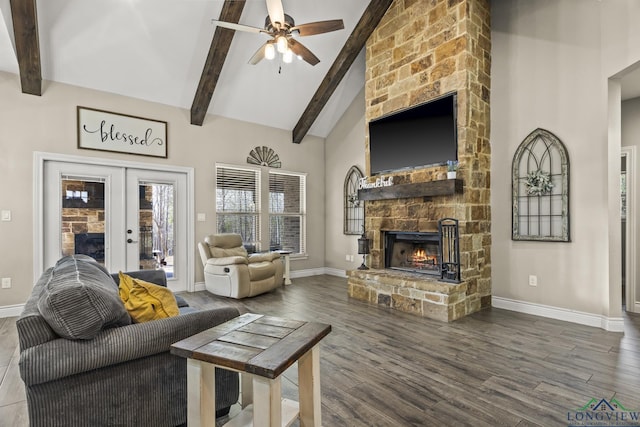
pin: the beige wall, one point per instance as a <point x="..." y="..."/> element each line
<point x="547" y="73"/>
<point x="344" y="148"/>
<point x="48" y="123"/>
<point x="631" y="138"/>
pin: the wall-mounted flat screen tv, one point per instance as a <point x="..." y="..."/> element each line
<point x="423" y="135"/>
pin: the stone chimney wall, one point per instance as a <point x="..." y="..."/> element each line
<point x="421" y="50"/>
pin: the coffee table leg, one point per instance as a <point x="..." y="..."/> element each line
<point x="267" y="402"/>
<point x="309" y="388"/>
<point x="247" y="389"/>
<point x="201" y="394"/>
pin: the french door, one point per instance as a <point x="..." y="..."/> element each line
<point x="126" y="218"/>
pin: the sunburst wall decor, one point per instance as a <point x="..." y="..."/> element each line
<point x="264" y="156"/>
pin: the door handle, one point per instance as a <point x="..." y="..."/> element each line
<point x="131" y="241"/>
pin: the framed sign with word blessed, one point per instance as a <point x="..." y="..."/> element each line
<point x="107" y="131"/>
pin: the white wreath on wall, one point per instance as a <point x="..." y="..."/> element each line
<point x="538" y="183"/>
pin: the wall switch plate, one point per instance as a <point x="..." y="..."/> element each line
<point x="533" y="280"/>
<point x="5" y="215"/>
<point x="347" y="257"/>
<point x="202" y="217"/>
<point x="6" y="282"/>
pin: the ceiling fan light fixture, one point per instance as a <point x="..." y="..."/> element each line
<point x="269" y="51"/>
<point x="282" y="44"/>
<point x="287" y="56"/>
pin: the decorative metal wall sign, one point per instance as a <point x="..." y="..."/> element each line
<point x="353" y="206"/>
<point x="106" y="131"/>
<point x="264" y="156"/>
<point x="540" y="189"/>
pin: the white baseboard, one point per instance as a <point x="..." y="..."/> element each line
<point x="612" y="324"/>
<point x="308" y="272"/>
<point x="335" y="272"/>
<point x="200" y="286"/>
<point x="11" y="310"/>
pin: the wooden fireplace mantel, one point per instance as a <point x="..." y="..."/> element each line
<point x="443" y="187"/>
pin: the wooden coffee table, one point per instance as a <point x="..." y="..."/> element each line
<point x="260" y="348"/>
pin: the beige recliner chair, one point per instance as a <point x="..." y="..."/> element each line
<point x="230" y="272"/>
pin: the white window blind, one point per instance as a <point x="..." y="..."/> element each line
<point x="238" y="203"/>
<point x="287" y="216"/>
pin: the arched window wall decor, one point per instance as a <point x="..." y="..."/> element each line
<point x="540" y="189"/>
<point x="353" y="207"/>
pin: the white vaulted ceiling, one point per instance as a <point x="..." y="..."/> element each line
<point x="156" y="49"/>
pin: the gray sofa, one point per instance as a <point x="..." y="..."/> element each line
<point x="84" y="363"/>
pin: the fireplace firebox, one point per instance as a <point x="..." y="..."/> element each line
<point x="91" y="244"/>
<point x="433" y="253"/>
<point x="416" y="252"/>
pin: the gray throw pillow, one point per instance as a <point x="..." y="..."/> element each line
<point x="80" y="300"/>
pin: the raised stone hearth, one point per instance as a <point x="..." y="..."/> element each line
<point x="413" y="293"/>
<point x="420" y="51"/>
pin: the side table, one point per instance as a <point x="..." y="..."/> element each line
<point x="260" y="348"/>
<point x="287" y="266"/>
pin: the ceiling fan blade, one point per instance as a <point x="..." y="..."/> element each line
<point x="301" y="50"/>
<point x="276" y="12"/>
<point x="259" y="55"/>
<point x="319" y="27"/>
<point x="237" y="27"/>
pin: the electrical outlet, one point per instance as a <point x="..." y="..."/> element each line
<point x="347" y="256"/>
<point x="6" y="282"/>
<point x="533" y="280"/>
<point x="6" y="215"/>
<point x="202" y="217"/>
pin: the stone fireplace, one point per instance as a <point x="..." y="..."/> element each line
<point x="420" y="51"/>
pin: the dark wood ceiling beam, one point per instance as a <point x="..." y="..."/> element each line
<point x="231" y="11"/>
<point x="25" y="29"/>
<point x="356" y="41"/>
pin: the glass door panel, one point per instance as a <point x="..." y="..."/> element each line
<point x="83" y="224"/>
<point x="156" y="227"/>
<point x="156" y="224"/>
<point x="83" y="213"/>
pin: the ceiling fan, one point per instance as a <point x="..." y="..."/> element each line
<point x="282" y="29"/>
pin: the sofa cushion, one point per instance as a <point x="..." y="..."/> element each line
<point x="157" y="277"/>
<point x="80" y="299"/>
<point x="146" y="301"/>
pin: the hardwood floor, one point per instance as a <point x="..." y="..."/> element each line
<point x="385" y="368"/>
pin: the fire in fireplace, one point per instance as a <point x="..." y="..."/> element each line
<point x="434" y="253"/>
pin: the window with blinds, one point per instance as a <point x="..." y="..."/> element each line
<point x="238" y="203"/>
<point x="287" y="204"/>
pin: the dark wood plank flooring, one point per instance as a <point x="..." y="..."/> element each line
<point x="384" y="368"/>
